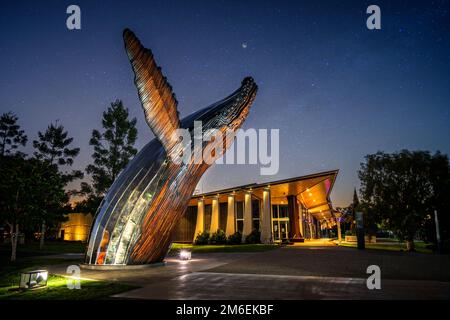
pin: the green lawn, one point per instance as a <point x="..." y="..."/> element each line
<point x="57" y="285"/>
<point x="222" y="248"/>
<point x="32" y="249"/>
<point x="391" y="246"/>
<point x="57" y="290"/>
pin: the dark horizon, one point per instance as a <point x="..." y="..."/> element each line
<point x="336" y="90"/>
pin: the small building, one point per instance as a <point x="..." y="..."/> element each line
<point x="291" y="209"/>
<point x="76" y="228"/>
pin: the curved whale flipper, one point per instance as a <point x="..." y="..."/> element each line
<point x="155" y="93"/>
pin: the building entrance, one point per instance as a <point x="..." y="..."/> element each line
<point x="280" y="222"/>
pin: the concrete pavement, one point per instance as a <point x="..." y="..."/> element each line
<point x="293" y="272"/>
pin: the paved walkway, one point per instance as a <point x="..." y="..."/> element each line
<point x="293" y="272"/>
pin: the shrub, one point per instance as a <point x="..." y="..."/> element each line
<point x="349" y="233"/>
<point x="218" y="237"/>
<point x="202" y="238"/>
<point x="235" y="238"/>
<point x="253" y="237"/>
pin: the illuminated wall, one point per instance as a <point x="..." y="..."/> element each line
<point x="77" y="227"/>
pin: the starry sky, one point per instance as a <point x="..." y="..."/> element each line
<point x="335" y="90"/>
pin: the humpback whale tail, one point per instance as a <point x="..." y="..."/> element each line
<point x="157" y="99"/>
<point x="141" y="209"/>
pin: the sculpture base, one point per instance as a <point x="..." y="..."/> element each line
<point x="120" y="266"/>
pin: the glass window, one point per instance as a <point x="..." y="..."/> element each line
<point x="283" y="211"/>
<point x="239" y="210"/>
<point x="207" y="217"/>
<point x="274" y="211"/>
<point x="255" y="209"/>
<point x="255" y="224"/>
<point x="223" y="212"/>
<point x="240" y="226"/>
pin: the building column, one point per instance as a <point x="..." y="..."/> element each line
<point x="310" y="223"/>
<point x="338" y="222"/>
<point x="231" y="216"/>
<point x="300" y="218"/>
<point x="294" y="227"/>
<point x="200" y="225"/>
<point x="214" y="215"/>
<point x="248" y="219"/>
<point x="266" y="217"/>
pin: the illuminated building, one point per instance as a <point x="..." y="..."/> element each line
<point x="291" y="209"/>
<point x="76" y="228"/>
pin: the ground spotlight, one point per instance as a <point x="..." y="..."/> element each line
<point x="185" y="255"/>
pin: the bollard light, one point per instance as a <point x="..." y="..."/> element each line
<point x="33" y="279"/>
<point x="185" y="255"/>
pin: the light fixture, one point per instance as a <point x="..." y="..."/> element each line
<point x="33" y="279"/>
<point x="185" y="255"/>
<point x="310" y="194"/>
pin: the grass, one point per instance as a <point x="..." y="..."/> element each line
<point x="57" y="285"/>
<point x="57" y="290"/>
<point x="390" y="246"/>
<point x="32" y="249"/>
<point x="222" y="248"/>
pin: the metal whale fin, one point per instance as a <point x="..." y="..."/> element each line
<point x="157" y="99"/>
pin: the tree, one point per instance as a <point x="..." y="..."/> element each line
<point x="113" y="149"/>
<point x="52" y="147"/>
<point x="10" y="134"/>
<point x="29" y="187"/>
<point x="440" y="180"/>
<point x="14" y="194"/>
<point x="400" y="189"/>
<point x="49" y="196"/>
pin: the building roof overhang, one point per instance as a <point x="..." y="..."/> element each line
<point x="313" y="191"/>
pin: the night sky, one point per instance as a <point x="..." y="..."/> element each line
<point x="336" y="90"/>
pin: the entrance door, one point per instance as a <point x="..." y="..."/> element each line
<point x="284" y="233"/>
<point x="276" y="231"/>
<point x="280" y="230"/>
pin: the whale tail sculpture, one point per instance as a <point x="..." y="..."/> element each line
<point x="134" y="222"/>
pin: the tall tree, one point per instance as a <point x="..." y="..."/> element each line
<point x="28" y="188"/>
<point x="11" y="137"/>
<point x="399" y="188"/>
<point x="354" y="206"/>
<point x="440" y="169"/>
<point x="52" y="147"/>
<point x="113" y="149"/>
